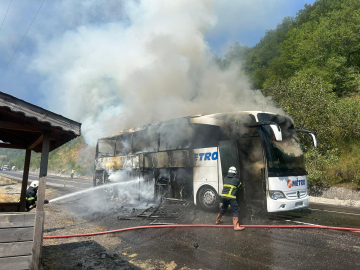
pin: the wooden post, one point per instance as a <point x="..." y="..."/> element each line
<point x="25" y="180"/>
<point x="39" y="219"/>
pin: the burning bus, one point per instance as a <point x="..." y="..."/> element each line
<point x="188" y="158"/>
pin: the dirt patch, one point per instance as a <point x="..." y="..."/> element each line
<point x="158" y="264"/>
<point x="155" y="264"/>
<point x="9" y="190"/>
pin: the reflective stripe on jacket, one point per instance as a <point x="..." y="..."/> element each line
<point x="231" y="184"/>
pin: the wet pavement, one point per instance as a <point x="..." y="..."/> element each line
<point x="224" y="248"/>
<point x="321" y="214"/>
<point x="201" y="248"/>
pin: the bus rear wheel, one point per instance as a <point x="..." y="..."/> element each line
<point x="208" y="199"/>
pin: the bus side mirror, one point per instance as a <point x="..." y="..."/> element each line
<point x="277" y="132"/>
<point x="314" y="139"/>
<point x="310" y="133"/>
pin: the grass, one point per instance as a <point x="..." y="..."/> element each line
<point x="8" y="198"/>
<point x="7" y="181"/>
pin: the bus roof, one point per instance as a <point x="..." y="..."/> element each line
<point x="209" y="119"/>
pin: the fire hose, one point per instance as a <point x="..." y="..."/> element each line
<point x="204" y="225"/>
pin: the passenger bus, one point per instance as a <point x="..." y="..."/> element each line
<point x="188" y="158"/>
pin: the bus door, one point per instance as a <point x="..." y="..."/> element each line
<point x="252" y="172"/>
<point x="228" y="152"/>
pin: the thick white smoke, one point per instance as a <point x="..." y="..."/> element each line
<point x="153" y="66"/>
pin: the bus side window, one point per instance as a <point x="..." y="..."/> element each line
<point x="145" y="141"/>
<point x="207" y="136"/>
<point x="173" y="137"/>
<point x="123" y="145"/>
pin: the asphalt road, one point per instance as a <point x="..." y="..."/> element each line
<point x="223" y="248"/>
<point x="57" y="182"/>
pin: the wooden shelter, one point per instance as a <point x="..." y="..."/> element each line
<point x="32" y="128"/>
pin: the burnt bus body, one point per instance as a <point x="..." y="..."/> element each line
<point x="163" y="152"/>
<point x="188" y="158"/>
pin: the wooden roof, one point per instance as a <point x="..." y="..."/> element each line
<point x="23" y="124"/>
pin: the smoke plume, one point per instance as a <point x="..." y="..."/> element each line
<point x="152" y="66"/>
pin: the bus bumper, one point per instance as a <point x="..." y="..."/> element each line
<point x="286" y="205"/>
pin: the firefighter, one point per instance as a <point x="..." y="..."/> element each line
<point x="31" y="196"/>
<point x="231" y="185"/>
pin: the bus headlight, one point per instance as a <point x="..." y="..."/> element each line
<point x="274" y="194"/>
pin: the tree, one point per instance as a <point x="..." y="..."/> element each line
<point x="308" y="99"/>
<point x="328" y="43"/>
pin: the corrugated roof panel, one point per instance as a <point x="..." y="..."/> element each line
<point x="44" y="116"/>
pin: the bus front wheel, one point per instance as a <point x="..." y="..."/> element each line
<point x="208" y="199"/>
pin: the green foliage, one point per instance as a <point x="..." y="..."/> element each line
<point x="258" y="58"/>
<point x="335" y="121"/>
<point x="346" y="170"/>
<point x="318" y="165"/>
<point x="328" y="43"/>
<point x="309" y="101"/>
<point x="310" y="65"/>
<point x="12" y="157"/>
<point x="73" y="155"/>
<point x="323" y="38"/>
<point x="234" y="54"/>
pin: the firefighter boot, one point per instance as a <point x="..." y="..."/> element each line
<point x="218" y="219"/>
<point x="237" y="227"/>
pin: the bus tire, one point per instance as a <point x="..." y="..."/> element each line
<point x="208" y="199"/>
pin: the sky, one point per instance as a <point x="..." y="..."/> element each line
<point x="89" y="59"/>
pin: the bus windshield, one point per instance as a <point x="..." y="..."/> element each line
<point x="106" y="148"/>
<point x="284" y="157"/>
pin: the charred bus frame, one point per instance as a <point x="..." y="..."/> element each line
<point x="188" y="158"/>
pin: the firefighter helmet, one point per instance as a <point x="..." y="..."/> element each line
<point x="34" y="184"/>
<point x="232" y="170"/>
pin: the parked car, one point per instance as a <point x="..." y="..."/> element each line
<point x="6" y="168"/>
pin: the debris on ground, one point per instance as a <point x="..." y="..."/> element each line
<point x="167" y="209"/>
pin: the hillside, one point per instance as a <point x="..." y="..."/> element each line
<point x="310" y="65"/>
<point x="74" y="154"/>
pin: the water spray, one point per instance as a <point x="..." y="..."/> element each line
<point x="94" y="189"/>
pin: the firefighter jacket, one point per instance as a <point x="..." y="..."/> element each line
<point x="231" y="185"/>
<point x="31" y="198"/>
